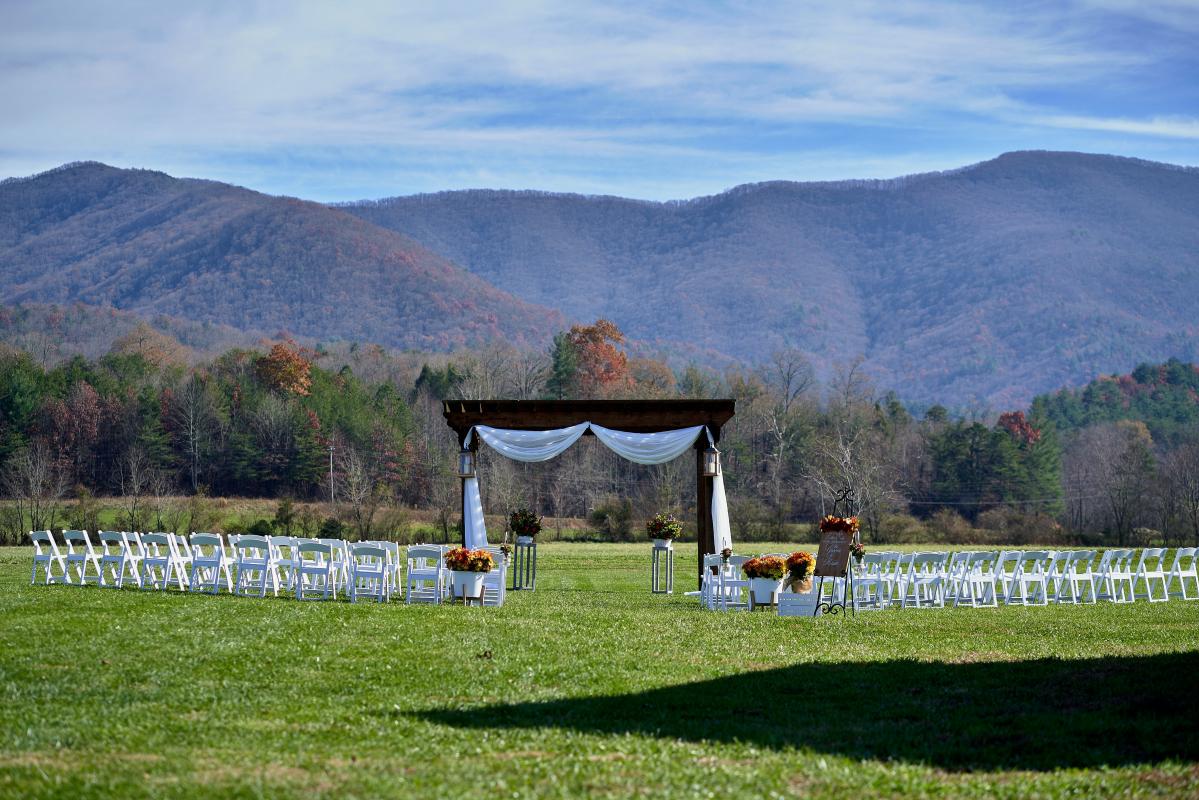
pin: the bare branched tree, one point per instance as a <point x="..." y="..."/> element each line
<point x="33" y="478"/>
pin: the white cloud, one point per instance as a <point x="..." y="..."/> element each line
<point x="561" y="89"/>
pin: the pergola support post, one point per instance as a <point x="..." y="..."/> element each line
<point x="705" y="537"/>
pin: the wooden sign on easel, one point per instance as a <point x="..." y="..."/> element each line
<point x="832" y="559"/>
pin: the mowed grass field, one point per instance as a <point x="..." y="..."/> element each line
<point x="590" y="687"/>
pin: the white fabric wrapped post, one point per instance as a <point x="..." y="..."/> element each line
<point x="722" y="533"/>
<point x="475" y="528"/>
<point x="529" y="445"/>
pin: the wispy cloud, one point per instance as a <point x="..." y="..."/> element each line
<point x="648" y="99"/>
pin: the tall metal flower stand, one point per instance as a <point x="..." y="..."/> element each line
<point x="524" y="564"/>
<point x="662" y="570"/>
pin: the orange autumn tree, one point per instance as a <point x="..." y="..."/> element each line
<point x="588" y="361"/>
<point x="287" y="368"/>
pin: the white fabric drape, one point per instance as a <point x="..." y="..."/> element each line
<point x="472" y="515"/>
<point x="722" y="533"/>
<point x="648" y="448"/>
<point x="529" y="445"/>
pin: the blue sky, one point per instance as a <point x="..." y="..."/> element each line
<point x="340" y="101"/>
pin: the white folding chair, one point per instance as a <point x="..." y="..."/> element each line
<point x="114" y="558"/>
<point x="1055" y="578"/>
<point x="209" y="563"/>
<point x="370" y="575"/>
<point x="255" y="571"/>
<point x="81" y="556"/>
<point x="1078" y="581"/>
<point x="1005" y="566"/>
<point x="872" y="589"/>
<point x="954" y="574"/>
<point x="1028" y="583"/>
<point x="976" y="587"/>
<point x="182" y="568"/>
<point x="341" y="558"/>
<point x="316" y="572"/>
<point x="157" y="562"/>
<point x="135" y="552"/>
<point x="734" y="586"/>
<point x="283" y="558"/>
<point x="1183" y="570"/>
<point x="394" y="561"/>
<point x="427" y="578"/>
<point x="924" y="584"/>
<point x="46" y="555"/>
<point x="897" y="582"/>
<point x="1151" y="569"/>
<point x="1116" y="576"/>
<point x="494" y="582"/>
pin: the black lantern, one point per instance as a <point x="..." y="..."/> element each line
<point x="466" y="463"/>
<point x="711" y="462"/>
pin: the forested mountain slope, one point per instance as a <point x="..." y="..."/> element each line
<point x="146" y="242"/>
<point x="989" y="283"/>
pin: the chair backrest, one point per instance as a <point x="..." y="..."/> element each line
<point x="1184" y="560"/>
<point x="1153" y="559"/>
<point x="1079" y="561"/>
<point x="207" y="545"/>
<point x="156" y="546"/>
<point x="310" y="552"/>
<point x="72" y="538"/>
<point x="927" y="563"/>
<point x="982" y="561"/>
<point x="1035" y="560"/>
<point x="252" y="547"/>
<point x="43" y="539"/>
<point x="1121" y="560"/>
<point x="114" y="538"/>
<point x="424" y="556"/>
<point x="735" y="562"/>
<point x="367" y="553"/>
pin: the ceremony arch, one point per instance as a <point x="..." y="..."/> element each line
<point x="627" y="416"/>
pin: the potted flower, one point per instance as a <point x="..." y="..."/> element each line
<point x="662" y="529"/>
<point x="525" y="525"/>
<point x="765" y="576"/>
<point x="799" y="571"/>
<point x="467" y="568"/>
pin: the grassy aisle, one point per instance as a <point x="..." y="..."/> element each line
<point x="589" y="687"/>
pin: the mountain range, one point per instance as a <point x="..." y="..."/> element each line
<point x="982" y="285"/>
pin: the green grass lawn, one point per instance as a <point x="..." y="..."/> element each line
<point x="589" y="687"/>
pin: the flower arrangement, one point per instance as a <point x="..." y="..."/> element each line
<point x="831" y="523"/>
<point x="770" y="567"/>
<point x="726" y="554"/>
<point x="800" y="564"/>
<point x="524" y="522"/>
<point x="857" y="551"/>
<point x="663" y="526"/>
<point x="460" y="559"/>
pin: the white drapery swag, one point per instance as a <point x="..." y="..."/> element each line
<point x="472" y="517"/>
<point x="642" y="448"/>
<point x="529" y="445"/>
<point x="648" y="448"/>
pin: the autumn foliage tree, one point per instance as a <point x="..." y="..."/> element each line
<point x="587" y="361"/>
<point x="287" y="369"/>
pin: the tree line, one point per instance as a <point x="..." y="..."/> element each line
<point x="360" y="429"/>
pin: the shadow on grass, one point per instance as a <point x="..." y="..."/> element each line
<point x="1033" y="715"/>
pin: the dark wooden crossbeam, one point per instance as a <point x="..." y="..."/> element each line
<point x="637" y="416"/>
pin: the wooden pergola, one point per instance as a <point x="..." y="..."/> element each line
<point x="636" y="416"/>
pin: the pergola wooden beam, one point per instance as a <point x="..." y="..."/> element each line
<point x="637" y="416"/>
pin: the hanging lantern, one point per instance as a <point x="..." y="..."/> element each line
<point x="466" y="463"/>
<point x="711" y="462"/>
